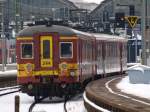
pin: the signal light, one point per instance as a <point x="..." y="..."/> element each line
<point x="120" y="20"/>
<point x="132" y="9"/>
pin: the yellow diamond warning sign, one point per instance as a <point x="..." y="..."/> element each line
<point x="132" y="20"/>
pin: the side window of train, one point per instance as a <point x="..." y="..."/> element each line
<point x="66" y="50"/>
<point x="27" y="50"/>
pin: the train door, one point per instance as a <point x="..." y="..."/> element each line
<point x="104" y="43"/>
<point x="121" y="51"/>
<point x="46" y="48"/>
<point x="80" y="57"/>
<point x="94" y="68"/>
<point x="46" y="54"/>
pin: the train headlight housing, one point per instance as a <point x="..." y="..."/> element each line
<point x="64" y="66"/>
<point x="29" y="68"/>
<point x="30" y="87"/>
<point x="72" y="73"/>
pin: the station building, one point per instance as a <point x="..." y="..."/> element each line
<point x="103" y="19"/>
<point x="17" y="13"/>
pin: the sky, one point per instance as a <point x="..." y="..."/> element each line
<point x="88" y="1"/>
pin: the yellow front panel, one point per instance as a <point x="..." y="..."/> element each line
<point x="23" y="72"/>
<point x="24" y="38"/>
<point x="47" y="62"/>
<point x="37" y="73"/>
<point x="46" y="73"/>
<point x="66" y="38"/>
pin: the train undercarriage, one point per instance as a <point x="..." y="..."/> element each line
<point x="51" y="89"/>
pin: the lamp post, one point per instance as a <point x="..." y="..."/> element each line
<point x="17" y="14"/>
<point x="3" y="35"/>
<point x="144" y="60"/>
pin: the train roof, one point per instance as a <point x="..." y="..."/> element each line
<point x="65" y="31"/>
<point x="61" y="30"/>
<point x="108" y="37"/>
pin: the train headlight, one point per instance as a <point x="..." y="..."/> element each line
<point x="30" y="86"/>
<point x="72" y="73"/>
<point x="29" y="67"/>
<point x="64" y="66"/>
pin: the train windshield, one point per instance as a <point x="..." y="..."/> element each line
<point x="27" y="50"/>
<point x="66" y="49"/>
<point x="46" y="49"/>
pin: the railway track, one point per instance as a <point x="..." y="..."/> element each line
<point x="8" y="80"/>
<point x="34" y="103"/>
<point x="32" y="106"/>
<point x="9" y="90"/>
<point x="52" y="101"/>
<point x="74" y="98"/>
<point x="65" y="103"/>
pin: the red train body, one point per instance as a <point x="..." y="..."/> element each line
<point x="0" y="56"/>
<point x="56" y="60"/>
<point x="0" y="51"/>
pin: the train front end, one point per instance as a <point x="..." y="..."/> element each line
<point x="47" y="63"/>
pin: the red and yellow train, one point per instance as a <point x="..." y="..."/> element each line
<point x="56" y="60"/>
<point x="0" y="51"/>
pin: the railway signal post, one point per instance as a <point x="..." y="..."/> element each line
<point x="132" y="20"/>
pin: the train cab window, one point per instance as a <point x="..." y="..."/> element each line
<point x="46" y="49"/>
<point x="27" y="51"/>
<point x="66" y="49"/>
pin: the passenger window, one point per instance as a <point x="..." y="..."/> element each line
<point x="66" y="50"/>
<point x="27" y="50"/>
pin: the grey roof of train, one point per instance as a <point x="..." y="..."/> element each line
<point x="107" y="36"/>
<point x="62" y="30"/>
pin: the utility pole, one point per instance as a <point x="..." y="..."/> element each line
<point x="17" y="14"/>
<point x="144" y="60"/>
<point x="3" y="36"/>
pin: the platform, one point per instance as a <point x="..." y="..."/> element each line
<point x="103" y="93"/>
